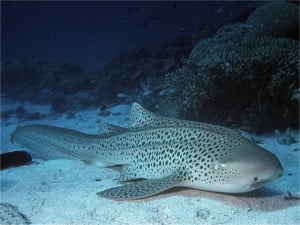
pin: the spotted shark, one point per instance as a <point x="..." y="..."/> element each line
<point x="158" y="153"/>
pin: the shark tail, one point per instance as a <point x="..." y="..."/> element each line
<point x="50" y="142"/>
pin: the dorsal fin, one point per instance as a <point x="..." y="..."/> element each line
<point x="109" y="129"/>
<point x="142" y="118"/>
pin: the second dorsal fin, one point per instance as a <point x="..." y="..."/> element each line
<point x="109" y="129"/>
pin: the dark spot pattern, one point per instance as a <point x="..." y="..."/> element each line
<point x="154" y="148"/>
<point x="141" y="189"/>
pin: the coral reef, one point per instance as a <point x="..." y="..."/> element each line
<point x="277" y="19"/>
<point x="138" y="73"/>
<point x="246" y="75"/>
<point x="285" y="139"/>
<point x="237" y="79"/>
<point x="21" y="113"/>
<point x="63" y="85"/>
<point x="141" y="66"/>
<point x="68" y="86"/>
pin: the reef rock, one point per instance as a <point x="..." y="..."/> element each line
<point x="15" y="158"/>
<point x="277" y="19"/>
<point x="238" y="79"/>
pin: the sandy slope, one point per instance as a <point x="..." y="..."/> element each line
<point x="63" y="191"/>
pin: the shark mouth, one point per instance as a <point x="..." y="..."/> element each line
<point x="259" y="183"/>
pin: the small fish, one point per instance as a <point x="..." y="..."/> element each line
<point x="121" y="95"/>
<point x="147" y="93"/>
<point x="165" y="152"/>
<point x="220" y="10"/>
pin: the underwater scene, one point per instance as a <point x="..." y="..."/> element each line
<point x="150" y="112"/>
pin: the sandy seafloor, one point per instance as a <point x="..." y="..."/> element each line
<point x="64" y="191"/>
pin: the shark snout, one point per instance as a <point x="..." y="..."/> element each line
<point x="266" y="176"/>
<point x="271" y="170"/>
<point x="254" y="168"/>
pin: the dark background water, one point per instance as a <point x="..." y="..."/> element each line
<point x="92" y="33"/>
<point x="76" y="55"/>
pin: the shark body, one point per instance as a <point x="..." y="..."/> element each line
<point x="165" y="152"/>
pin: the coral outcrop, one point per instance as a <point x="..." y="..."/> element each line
<point x="236" y="78"/>
<point x="277" y="19"/>
<point x="63" y="85"/>
<point x="141" y="65"/>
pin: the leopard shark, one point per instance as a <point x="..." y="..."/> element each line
<point x="157" y="153"/>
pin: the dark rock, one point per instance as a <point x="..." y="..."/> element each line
<point x="20" y="110"/>
<point x="59" y="104"/>
<point x="103" y="107"/>
<point x="13" y="159"/>
<point x="116" y="114"/>
<point x="34" y="116"/>
<point x="7" y="114"/>
<point x="71" y="115"/>
<point x="104" y="113"/>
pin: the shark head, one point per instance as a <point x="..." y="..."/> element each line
<point x="237" y="166"/>
<point x="250" y="169"/>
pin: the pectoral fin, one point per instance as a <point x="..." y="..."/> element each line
<point x="141" y="189"/>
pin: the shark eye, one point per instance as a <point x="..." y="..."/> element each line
<point x="255" y="179"/>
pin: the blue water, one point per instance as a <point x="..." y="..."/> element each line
<point x="92" y="33"/>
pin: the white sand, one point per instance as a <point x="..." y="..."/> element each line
<point x="64" y="191"/>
